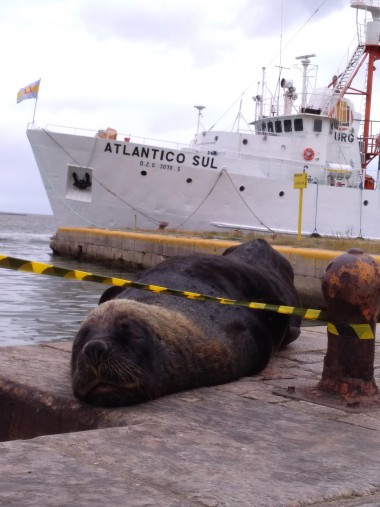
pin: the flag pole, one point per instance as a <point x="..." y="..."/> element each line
<point x="34" y="112"/>
<point x="35" y="104"/>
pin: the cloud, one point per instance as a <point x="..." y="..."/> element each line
<point x="141" y="66"/>
<point x="21" y="185"/>
<point x="263" y="19"/>
<point x="167" y="24"/>
<point x="142" y="21"/>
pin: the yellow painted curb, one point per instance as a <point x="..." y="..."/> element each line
<point x="311" y="253"/>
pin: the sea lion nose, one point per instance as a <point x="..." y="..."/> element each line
<point x="95" y="351"/>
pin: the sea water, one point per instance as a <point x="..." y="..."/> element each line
<point x="39" y="308"/>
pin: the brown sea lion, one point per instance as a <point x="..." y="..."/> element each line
<point x="138" y="345"/>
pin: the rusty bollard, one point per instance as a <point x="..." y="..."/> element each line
<point x="351" y="288"/>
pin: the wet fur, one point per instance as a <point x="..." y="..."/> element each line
<point x="139" y="345"/>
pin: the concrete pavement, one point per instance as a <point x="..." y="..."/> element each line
<point x="235" y="445"/>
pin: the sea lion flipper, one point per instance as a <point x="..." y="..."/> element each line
<point x="292" y="335"/>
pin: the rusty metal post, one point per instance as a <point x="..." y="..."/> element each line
<point x="351" y="288"/>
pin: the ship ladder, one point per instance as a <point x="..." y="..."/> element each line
<point x="344" y="79"/>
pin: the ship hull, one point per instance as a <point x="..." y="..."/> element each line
<point x="93" y="182"/>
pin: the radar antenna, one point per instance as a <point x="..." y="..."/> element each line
<point x="305" y="63"/>
<point x="305" y="57"/>
<point x="200" y="109"/>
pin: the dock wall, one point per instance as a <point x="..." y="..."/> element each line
<point x="137" y="250"/>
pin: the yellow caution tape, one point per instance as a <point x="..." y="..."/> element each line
<point x="362" y="331"/>
<point x="51" y="270"/>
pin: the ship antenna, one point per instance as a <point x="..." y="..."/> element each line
<point x="305" y="63"/>
<point x="278" y="86"/>
<point x="200" y="109"/>
<point x="261" y="111"/>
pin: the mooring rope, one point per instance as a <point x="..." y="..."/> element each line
<point x="145" y="215"/>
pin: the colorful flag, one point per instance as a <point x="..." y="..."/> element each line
<point x="29" y="92"/>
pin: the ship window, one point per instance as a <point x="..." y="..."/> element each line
<point x="287" y="125"/>
<point x="298" y="124"/>
<point x="270" y="126"/>
<point x="343" y="114"/>
<point x="278" y="126"/>
<point x="318" y="125"/>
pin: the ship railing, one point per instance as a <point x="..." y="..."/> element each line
<point x="370" y="145"/>
<point x="364" y="4"/>
<point x="121" y="136"/>
<point x="361" y="32"/>
<point x="369" y="148"/>
<point x="373" y="143"/>
<point x="371" y="11"/>
<point x="374" y="127"/>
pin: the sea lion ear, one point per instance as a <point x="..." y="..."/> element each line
<point x="110" y="293"/>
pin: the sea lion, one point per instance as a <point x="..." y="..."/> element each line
<point x="138" y="345"/>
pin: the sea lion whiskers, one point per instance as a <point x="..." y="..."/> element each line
<point x="113" y="370"/>
<point x="82" y="382"/>
<point x="134" y="372"/>
<point x="125" y="370"/>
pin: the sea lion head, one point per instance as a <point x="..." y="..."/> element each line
<point x="114" y="355"/>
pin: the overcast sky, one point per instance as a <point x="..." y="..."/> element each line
<point x="140" y="66"/>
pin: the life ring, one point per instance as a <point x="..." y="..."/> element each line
<point x="308" y="154"/>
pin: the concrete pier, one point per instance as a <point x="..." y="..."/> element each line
<point x="237" y="444"/>
<point x="242" y="444"/>
<point x="139" y="250"/>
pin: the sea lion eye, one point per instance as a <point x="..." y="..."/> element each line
<point x="131" y="330"/>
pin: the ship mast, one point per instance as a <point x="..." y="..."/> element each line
<point x="372" y="53"/>
<point x="305" y="60"/>
<point x="368" y="49"/>
<point x="200" y="109"/>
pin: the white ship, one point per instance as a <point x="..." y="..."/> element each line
<point x="241" y="180"/>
